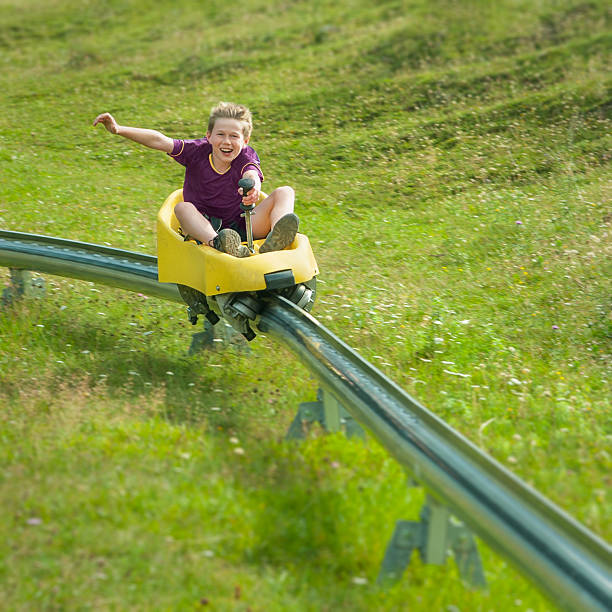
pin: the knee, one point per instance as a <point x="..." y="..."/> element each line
<point x="181" y="209"/>
<point x="285" y="192"/>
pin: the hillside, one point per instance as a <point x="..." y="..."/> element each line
<point x="452" y="169"/>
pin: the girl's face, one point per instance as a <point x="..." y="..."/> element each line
<point x="227" y="140"/>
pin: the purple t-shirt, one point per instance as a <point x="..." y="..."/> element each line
<point x="213" y="193"/>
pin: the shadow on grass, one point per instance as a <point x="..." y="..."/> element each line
<point x="138" y="365"/>
<point x="320" y="506"/>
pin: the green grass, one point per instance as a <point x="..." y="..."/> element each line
<point x="452" y="169"/>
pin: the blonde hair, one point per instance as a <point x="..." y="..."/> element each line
<point x="228" y="110"/>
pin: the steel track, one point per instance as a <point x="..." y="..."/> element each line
<point x="85" y="261"/>
<point x="566" y="560"/>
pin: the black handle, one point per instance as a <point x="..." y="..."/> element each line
<point x="247" y="184"/>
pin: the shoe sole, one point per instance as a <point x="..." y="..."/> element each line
<point x="229" y="241"/>
<point x="282" y="234"/>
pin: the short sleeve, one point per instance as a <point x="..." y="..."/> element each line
<point x="250" y="161"/>
<point x="187" y="151"/>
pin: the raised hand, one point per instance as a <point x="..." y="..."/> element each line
<point x="108" y="121"/>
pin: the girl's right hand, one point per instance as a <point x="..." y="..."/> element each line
<point x="108" y="121"/>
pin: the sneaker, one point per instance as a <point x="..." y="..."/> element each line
<point x="282" y="234"/>
<point x="228" y="241"/>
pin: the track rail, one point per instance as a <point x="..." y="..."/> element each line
<point x="566" y="560"/>
<point x="85" y="261"/>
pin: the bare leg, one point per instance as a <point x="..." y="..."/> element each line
<point x="193" y="223"/>
<point x="278" y="204"/>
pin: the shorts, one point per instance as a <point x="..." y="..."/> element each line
<point x="219" y="224"/>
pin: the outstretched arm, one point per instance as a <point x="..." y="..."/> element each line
<point x="148" y="138"/>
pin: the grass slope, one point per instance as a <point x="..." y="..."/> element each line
<point x="452" y="166"/>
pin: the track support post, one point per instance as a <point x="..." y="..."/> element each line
<point x="328" y="412"/>
<point x="22" y="285"/>
<point x="217" y="336"/>
<point x="435" y="536"/>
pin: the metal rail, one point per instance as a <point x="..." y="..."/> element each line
<point x="567" y="561"/>
<point x="85" y="261"/>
